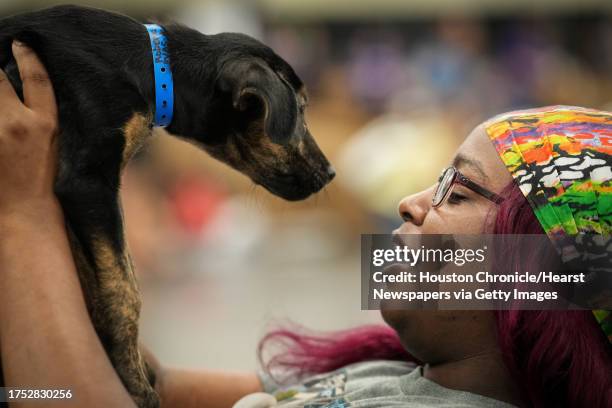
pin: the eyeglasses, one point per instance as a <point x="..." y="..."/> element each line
<point x="452" y="176"/>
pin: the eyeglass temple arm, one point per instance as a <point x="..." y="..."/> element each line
<point x="489" y="195"/>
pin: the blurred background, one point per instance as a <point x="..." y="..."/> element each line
<point x="395" y="86"/>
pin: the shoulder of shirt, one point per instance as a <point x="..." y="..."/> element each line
<point x="362" y="369"/>
<point x="379" y="368"/>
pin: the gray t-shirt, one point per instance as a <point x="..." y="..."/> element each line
<point x="371" y="384"/>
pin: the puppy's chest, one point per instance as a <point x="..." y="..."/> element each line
<point x="136" y="131"/>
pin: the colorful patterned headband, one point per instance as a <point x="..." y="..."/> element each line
<point x="560" y="158"/>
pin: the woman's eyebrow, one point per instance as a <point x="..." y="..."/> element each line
<point x="475" y="165"/>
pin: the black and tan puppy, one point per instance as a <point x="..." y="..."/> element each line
<point x="234" y="97"/>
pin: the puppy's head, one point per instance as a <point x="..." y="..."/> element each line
<point x="254" y="120"/>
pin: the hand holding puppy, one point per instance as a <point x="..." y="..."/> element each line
<point x="28" y="131"/>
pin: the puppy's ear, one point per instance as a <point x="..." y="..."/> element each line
<point x="257" y="88"/>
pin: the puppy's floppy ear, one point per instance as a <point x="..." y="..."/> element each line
<point x="255" y="86"/>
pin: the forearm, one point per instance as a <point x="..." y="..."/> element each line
<point x="46" y="337"/>
<point x="205" y="388"/>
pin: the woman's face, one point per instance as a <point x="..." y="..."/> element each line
<point x="465" y="212"/>
<point x="439" y="336"/>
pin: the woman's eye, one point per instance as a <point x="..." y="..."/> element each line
<point x="455" y="198"/>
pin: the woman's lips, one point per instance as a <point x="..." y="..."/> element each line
<point x="405" y="233"/>
<point x="406" y="229"/>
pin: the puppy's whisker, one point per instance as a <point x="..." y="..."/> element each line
<point x="250" y="197"/>
<point x="258" y="199"/>
<point x="326" y="194"/>
<point x="254" y="198"/>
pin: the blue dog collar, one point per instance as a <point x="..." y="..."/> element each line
<point x="164" y="87"/>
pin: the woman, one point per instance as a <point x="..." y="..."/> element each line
<point x="525" y="358"/>
<point x="503" y="359"/>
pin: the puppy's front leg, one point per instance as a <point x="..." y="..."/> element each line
<point x="89" y="196"/>
<point x="111" y="292"/>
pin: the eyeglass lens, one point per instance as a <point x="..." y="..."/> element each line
<point x="446" y="181"/>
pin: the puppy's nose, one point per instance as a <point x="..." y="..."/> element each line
<point x="331" y="172"/>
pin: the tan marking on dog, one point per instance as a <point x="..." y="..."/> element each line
<point x="117" y="267"/>
<point x="117" y="289"/>
<point x="301" y="147"/>
<point x="302" y="94"/>
<point x="135" y="131"/>
<point x="118" y="296"/>
<point x="86" y="272"/>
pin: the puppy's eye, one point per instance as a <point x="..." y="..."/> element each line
<point x="456" y="199"/>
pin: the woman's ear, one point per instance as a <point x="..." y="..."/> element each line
<point x="256" y="87"/>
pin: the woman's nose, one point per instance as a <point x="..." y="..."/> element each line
<point x="414" y="208"/>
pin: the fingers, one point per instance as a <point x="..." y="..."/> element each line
<point x="37" y="89"/>
<point x="8" y="96"/>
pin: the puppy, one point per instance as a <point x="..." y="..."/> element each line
<point x="234" y="97"/>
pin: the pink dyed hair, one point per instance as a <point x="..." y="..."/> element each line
<point x="558" y="358"/>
